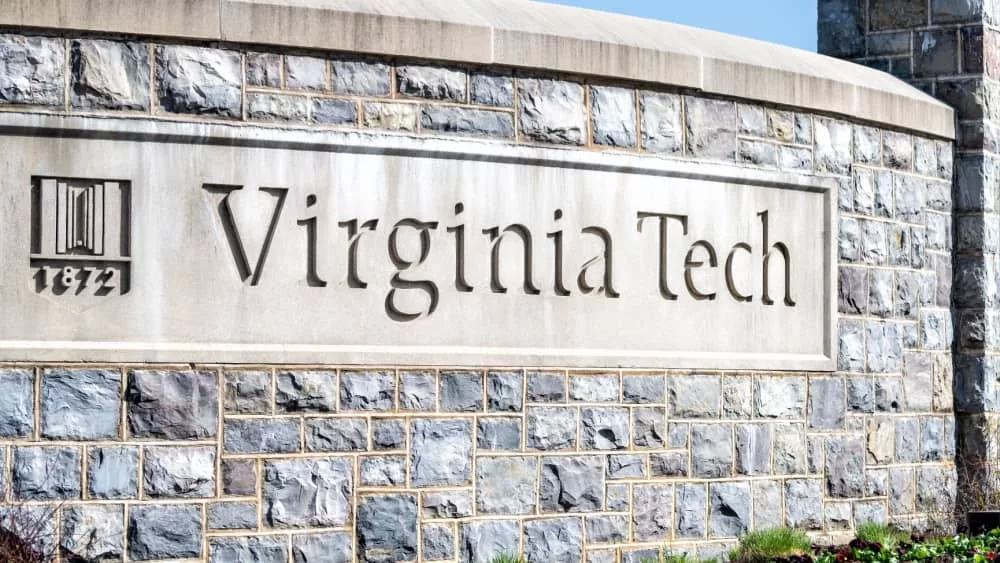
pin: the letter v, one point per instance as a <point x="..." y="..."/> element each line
<point x="233" y="235"/>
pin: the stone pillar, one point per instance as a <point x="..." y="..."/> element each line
<point x="939" y="46"/>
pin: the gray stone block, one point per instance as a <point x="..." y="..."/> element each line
<point x="640" y="555"/>
<point x="860" y="394"/>
<point x="605" y="428"/>
<point x="417" y="391"/>
<point x="552" y="428"/>
<point x="175" y="405"/>
<point x="910" y="287"/>
<point x="359" y="78"/>
<point x="239" y="477"/>
<point x="694" y="396"/>
<point x="17" y="403"/>
<point x="367" y="390"/>
<point x="652" y="512"/>
<point x="618" y="498"/>
<point x="937" y="53"/>
<point x="490" y="89"/>
<point x="572" y="484"/>
<point x="109" y="75"/>
<point x="648" y="428"/>
<point x="46" y="473"/>
<point x="900" y="245"/>
<point x="481" y="541"/>
<point x="438" y="542"/>
<point x="711" y="128"/>
<point x="781" y="397"/>
<point x="248" y="392"/>
<point x="845" y="465"/>
<point x="938" y="231"/>
<point x="729" y="509"/>
<point x="827" y="397"/>
<point x="389" y="116"/>
<point x="852" y="291"/>
<point x="544" y="387"/>
<point x="93" y="532"/>
<point x="902" y="491"/>
<point x="32" y="69"/>
<point x="598" y="388"/>
<point x="692" y="503"/>
<point x="389" y="434"/>
<point x="804" y="504"/>
<point x="330" y="547"/>
<point x="607" y="529"/>
<point x="626" y="466"/>
<point x="737" y="397"/>
<point x="261" y="435"/>
<point x="334" y="112"/>
<point x="440" y="452"/>
<point x="867" y="147"/>
<point x="499" y="434"/>
<point x="613" y="116"/>
<point x="383" y="471"/>
<point x="833" y="146"/>
<point x="885" y="347"/>
<point x="262" y="549"/>
<point x="874" y="243"/>
<point x="918" y="379"/>
<point x="936" y="331"/>
<point x="461" y="391"/>
<point x="790" y="453"/>
<point x="662" y="125"/>
<point x="336" y="435"/>
<point x="758" y="153"/>
<point x="880" y="293"/>
<point x="752" y="120"/>
<point x="552" y="111"/>
<point x="433" y="83"/>
<point x="898" y="149"/>
<point x="643" y="389"/>
<point x="842" y="27"/>
<point x="558" y="540"/>
<point x="387" y="528"/>
<point x="795" y="158"/>
<point x="891" y="14"/>
<point x="888" y="394"/>
<point x="911" y="198"/>
<point x="880" y="441"/>
<point x="303" y="493"/>
<point x="263" y="69"/>
<point x="113" y="472"/>
<point x="849" y="244"/>
<point x="467" y="121"/>
<point x="954" y="11"/>
<point x="506" y="485"/>
<point x="446" y="504"/>
<point x="164" y="532"/>
<point x="505" y="391"/>
<point x="181" y="472"/>
<point x="670" y="464"/>
<point x="932" y="439"/>
<point x="768" y="511"/>
<point x="81" y="404"/>
<point x="199" y="80"/>
<point x="712" y="450"/>
<point x="907" y="440"/>
<point x="851" y="355"/>
<point x="305" y="73"/>
<point x="753" y="449"/>
<point x="232" y="516"/>
<point x="278" y="107"/>
<point x="677" y="435"/>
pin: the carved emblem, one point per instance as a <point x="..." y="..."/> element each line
<point x="80" y="244"/>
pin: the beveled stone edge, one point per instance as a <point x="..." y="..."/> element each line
<point x="520" y="34"/>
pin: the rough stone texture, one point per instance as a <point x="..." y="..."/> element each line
<point x="199" y="80"/>
<point x="332" y="547"/>
<point x="504" y="391"/>
<point x="387" y="528"/>
<point x="305" y="73"/>
<point x="336" y="435"/>
<point x="448" y="504"/>
<point x="263" y="69"/>
<point x="17" y="403"/>
<point x="232" y="516"/>
<point x="662" y="123"/>
<point x="712" y="450"/>
<point x="261" y="435"/>
<point x="113" y="472"/>
<point x="360" y="78"/>
<point x="334" y="112"/>
<point x="260" y="549"/>
<point x="605" y="428"/>
<point x="164" y="532"/>
<point x="694" y="396"/>
<point x="438" y="542"/>
<point x="93" y="532"/>
<point x="491" y="89"/>
<point x="552" y="111"/>
<point x="711" y="131"/>
<point x="804" y="504"/>
<point x="546" y="388"/>
<point x="462" y="391"/>
<point x="481" y="541"/>
<point x="417" y="391"/>
<point x="307" y="492"/>
<point x="572" y="484"/>
<point x="652" y="512"/>
<point x="109" y="75"/>
<point x="310" y="391"/>
<point x="506" y="485"/>
<point x="175" y="405"/>
<point x="440" y="452"/>
<point x="389" y="434"/>
<point x="833" y="146"/>
<point x="434" y="83"/>
<point x="366" y="390"/>
<point x="248" y="392"/>
<point x="558" y="540"/>
<point x="387" y="471"/>
<point x="729" y="509"/>
<point x="32" y="70"/>
<point x="613" y="116"/>
<point x="275" y="107"/>
<point x="389" y="116"/>
<point x="46" y="473"/>
<point x="552" y="428"/>
<point x="187" y="472"/>
<point x="461" y="121"/>
<point x="499" y="434"/>
<point x="81" y="404"/>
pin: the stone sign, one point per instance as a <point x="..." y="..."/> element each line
<point x="135" y="244"/>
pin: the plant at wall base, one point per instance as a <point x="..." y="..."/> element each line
<point x="886" y="536"/>
<point x="763" y="546"/>
<point x="676" y="558"/>
<point x="27" y="534"/>
<point x="507" y="558"/>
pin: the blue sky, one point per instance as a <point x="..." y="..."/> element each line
<point x="789" y="22"/>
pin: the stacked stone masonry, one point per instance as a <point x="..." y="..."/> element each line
<point x="400" y="463"/>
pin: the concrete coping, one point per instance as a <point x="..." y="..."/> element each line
<point x="522" y="34"/>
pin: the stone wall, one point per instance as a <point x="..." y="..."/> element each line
<point x="349" y="463"/>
